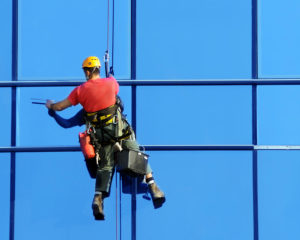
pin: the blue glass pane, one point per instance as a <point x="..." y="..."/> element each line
<point x="5" y="40"/>
<point x="194" y="39"/>
<point x="125" y="94"/>
<point x="279" y="38"/>
<point x="121" y="55"/>
<point x="279" y="115"/>
<point x="5" y="195"/>
<point x="126" y="217"/>
<point x="279" y="195"/>
<point x="53" y="199"/>
<point x="54" y="41"/>
<point x="194" y="115"/>
<point x="5" y="120"/>
<point x="37" y="128"/>
<point x="208" y="196"/>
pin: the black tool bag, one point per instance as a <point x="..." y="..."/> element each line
<point x="132" y="162"/>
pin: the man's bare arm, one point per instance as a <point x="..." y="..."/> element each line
<point x="59" y="106"/>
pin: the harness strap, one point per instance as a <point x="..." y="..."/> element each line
<point x="103" y="122"/>
<point x="103" y="118"/>
<point x="101" y="115"/>
<point x="127" y="132"/>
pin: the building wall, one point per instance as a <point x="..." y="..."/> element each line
<point x="209" y="193"/>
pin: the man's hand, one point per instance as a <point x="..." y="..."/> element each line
<point x="49" y="103"/>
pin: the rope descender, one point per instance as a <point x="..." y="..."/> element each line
<point x="106" y="61"/>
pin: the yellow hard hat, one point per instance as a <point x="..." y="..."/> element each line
<point x="91" y="62"/>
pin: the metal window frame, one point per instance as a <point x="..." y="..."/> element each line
<point x="254" y="82"/>
<point x="134" y="83"/>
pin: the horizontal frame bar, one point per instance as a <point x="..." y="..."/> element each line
<point x="156" y="82"/>
<point x="160" y="148"/>
<point x="277" y="147"/>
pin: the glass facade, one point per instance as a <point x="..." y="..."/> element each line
<point x="53" y="46"/>
<point x="194" y="115"/>
<point x="278" y="115"/>
<point x="192" y="39"/>
<point x="212" y="190"/>
<point x="279" y="194"/>
<point x="6" y="40"/>
<point x="5" y="104"/>
<point x="54" y="195"/>
<point x="279" y="38"/>
<point x="210" y="194"/>
<point x="5" y="195"/>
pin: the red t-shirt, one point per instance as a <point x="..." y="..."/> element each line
<point x="96" y="94"/>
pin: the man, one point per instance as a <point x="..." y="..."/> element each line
<point x="102" y="117"/>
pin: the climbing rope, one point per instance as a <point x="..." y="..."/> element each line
<point x="116" y="206"/>
<point x="106" y="57"/>
<point x="108" y="20"/>
<point x="107" y="71"/>
<point x="120" y="202"/>
<point x="113" y="39"/>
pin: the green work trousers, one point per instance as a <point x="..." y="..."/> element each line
<point x="107" y="162"/>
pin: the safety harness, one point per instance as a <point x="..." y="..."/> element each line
<point x="101" y="119"/>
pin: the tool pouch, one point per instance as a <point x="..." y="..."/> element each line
<point x="86" y="146"/>
<point x="132" y="162"/>
<point x="89" y="153"/>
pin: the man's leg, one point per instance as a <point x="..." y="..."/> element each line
<point x="104" y="176"/>
<point x="158" y="196"/>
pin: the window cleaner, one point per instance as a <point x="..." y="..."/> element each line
<point x="106" y="126"/>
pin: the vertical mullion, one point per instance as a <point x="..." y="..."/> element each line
<point x="133" y="117"/>
<point x="14" y="77"/>
<point x="133" y="39"/>
<point x="254" y="118"/>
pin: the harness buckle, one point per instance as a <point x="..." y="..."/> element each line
<point x="115" y="119"/>
<point x="90" y="128"/>
<point x="97" y="158"/>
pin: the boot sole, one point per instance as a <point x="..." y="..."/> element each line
<point x="157" y="203"/>
<point x="97" y="214"/>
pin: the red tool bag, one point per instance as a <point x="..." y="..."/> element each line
<point x="86" y="146"/>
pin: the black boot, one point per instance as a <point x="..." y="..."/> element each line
<point x="97" y="207"/>
<point x="158" y="197"/>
